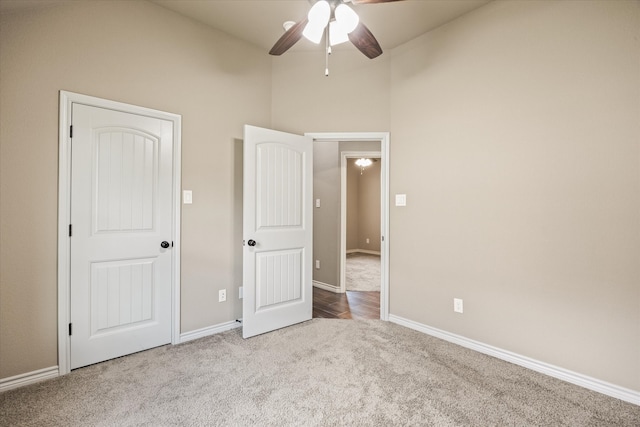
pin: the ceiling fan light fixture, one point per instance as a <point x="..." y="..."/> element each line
<point x="313" y="32"/>
<point x="346" y="21"/>
<point x="318" y="18"/>
<point x="320" y="12"/>
<point x="346" y="17"/>
<point x="337" y="34"/>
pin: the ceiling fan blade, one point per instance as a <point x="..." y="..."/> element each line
<point x="364" y="40"/>
<point x="371" y="1"/>
<point x="289" y="38"/>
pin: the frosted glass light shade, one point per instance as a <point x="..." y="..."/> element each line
<point x="337" y="34"/>
<point x="346" y="21"/>
<point x="313" y="32"/>
<point x="318" y="18"/>
<point x="320" y="12"/>
<point x="346" y="18"/>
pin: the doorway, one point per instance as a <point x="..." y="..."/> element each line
<point x="329" y="267"/>
<point x="360" y="221"/>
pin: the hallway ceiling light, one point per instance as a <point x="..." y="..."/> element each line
<point x="363" y="163"/>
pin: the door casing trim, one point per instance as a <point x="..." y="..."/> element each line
<point x="383" y="138"/>
<point x="64" y="213"/>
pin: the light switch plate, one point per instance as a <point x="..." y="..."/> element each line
<point x="187" y="197"/>
<point x="317" y="203"/>
<point x="401" y="200"/>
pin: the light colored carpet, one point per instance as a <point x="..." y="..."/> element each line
<point x="362" y="272"/>
<point x="323" y="372"/>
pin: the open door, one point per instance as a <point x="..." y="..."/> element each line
<point x="277" y="230"/>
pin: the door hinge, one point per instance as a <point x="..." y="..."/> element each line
<point x="70" y="230"/>
<point x="71" y="131"/>
<point x="70" y="331"/>
<point x="382" y="238"/>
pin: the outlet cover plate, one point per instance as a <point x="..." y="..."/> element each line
<point x="457" y="305"/>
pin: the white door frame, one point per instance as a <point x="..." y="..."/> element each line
<point x="343" y="209"/>
<point x="383" y="138"/>
<point x="64" y="214"/>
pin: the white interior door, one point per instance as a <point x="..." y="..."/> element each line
<point x="277" y="230"/>
<point x="121" y="213"/>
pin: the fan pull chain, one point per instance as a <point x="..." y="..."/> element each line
<point x="327" y="52"/>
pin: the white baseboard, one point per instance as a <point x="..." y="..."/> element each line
<point x="209" y="330"/>
<point x="590" y="383"/>
<point x="326" y="286"/>
<point x="28" y="378"/>
<point x="362" y="251"/>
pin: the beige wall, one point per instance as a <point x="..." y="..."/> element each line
<point x="516" y="137"/>
<point x="326" y="218"/>
<point x="142" y="54"/>
<point x="353" y="207"/>
<point x="369" y="208"/>
<point x="354" y="98"/>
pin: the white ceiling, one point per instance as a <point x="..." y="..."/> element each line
<point x="259" y="22"/>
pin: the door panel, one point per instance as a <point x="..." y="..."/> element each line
<point x="278" y="218"/>
<point x="278" y="278"/>
<point x="279" y="187"/>
<point x="121" y="294"/>
<point x="121" y="210"/>
<point x="127" y="164"/>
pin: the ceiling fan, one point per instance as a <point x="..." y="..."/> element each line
<point x="343" y="24"/>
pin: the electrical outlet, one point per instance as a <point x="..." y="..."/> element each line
<point x="317" y="264"/>
<point x="222" y="295"/>
<point x="457" y="305"/>
<point x="367" y="240"/>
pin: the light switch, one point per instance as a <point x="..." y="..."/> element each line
<point x="401" y="200"/>
<point x="317" y="203"/>
<point x="187" y="197"/>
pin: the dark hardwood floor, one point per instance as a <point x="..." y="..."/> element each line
<point x="350" y="305"/>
